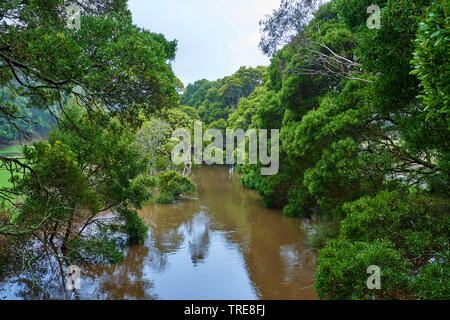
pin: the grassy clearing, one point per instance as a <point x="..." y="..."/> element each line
<point x="4" y="174"/>
<point x="11" y="150"/>
<point x="4" y="178"/>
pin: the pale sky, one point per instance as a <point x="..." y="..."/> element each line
<point x="215" y="37"/>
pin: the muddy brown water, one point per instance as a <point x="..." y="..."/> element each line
<point x="220" y="244"/>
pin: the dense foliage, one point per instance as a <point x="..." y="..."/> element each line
<point x="26" y="122"/>
<point x="78" y="174"/>
<point x="97" y="91"/>
<point x="216" y="100"/>
<point x="172" y="184"/>
<point x="363" y="115"/>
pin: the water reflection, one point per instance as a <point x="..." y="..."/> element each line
<point x="223" y="244"/>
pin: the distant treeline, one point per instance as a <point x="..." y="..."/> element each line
<point x="22" y="120"/>
<point x="216" y="100"/>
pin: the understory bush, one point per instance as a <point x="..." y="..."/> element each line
<point x="172" y="184"/>
<point x="405" y="234"/>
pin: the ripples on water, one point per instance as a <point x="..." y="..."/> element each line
<point x="220" y="244"/>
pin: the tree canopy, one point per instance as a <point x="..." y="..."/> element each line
<point x="363" y="115"/>
<point x="91" y="89"/>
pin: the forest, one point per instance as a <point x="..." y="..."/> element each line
<point x="363" y="116"/>
<point x="364" y="126"/>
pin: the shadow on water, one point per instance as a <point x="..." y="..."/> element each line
<point x="220" y="244"/>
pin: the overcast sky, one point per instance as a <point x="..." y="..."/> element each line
<point x="215" y="37"/>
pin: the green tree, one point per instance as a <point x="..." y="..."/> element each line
<point x="216" y="100"/>
<point x="108" y="62"/>
<point x="77" y="175"/>
<point x="431" y="60"/>
<point x="356" y="136"/>
<point x="171" y="184"/>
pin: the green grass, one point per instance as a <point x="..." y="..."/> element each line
<point x="4" y="178"/>
<point x="4" y="174"/>
<point x="12" y="149"/>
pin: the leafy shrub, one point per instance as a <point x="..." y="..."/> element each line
<point x="299" y="200"/>
<point x="272" y="190"/>
<point x="401" y="232"/>
<point x="432" y="281"/>
<point x="431" y="59"/>
<point x="99" y="250"/>
<point x="171" y="185"/>
<point x="322" y="232"/>
<point x="342" y="270"/>
<point x="134" y="227"/>
<point x="410" y="221"/>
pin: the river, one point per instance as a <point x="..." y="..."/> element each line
<point x="220" y="244"/>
